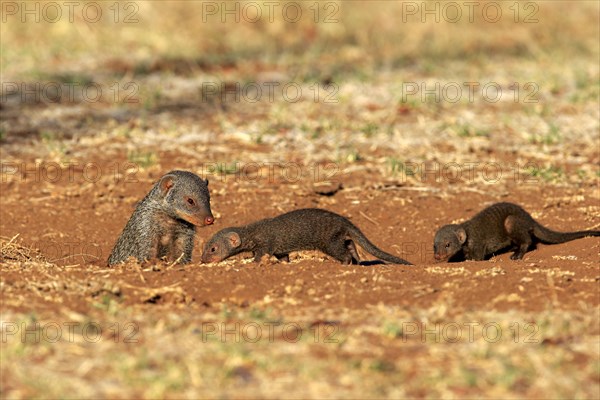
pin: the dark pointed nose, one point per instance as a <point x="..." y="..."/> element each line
<point x="209" y="220"/>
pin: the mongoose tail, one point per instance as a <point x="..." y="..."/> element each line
<point x="553" y="237"/>
<point x="357" y="236"/>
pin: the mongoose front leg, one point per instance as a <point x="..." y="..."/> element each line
<point x="476" y="254"/>
<point x="258" y="254"/>
<point x="182" y="247"/>
<point x="283" y="257"/>
<point x="163" y="247"/>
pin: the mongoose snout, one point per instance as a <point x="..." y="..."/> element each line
<point x="200" y="218"/>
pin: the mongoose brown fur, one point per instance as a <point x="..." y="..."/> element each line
<point x="164" y="223"/>
<point x="305" y="229"/>
<point x="496" y="228"/>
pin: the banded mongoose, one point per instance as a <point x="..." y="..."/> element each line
<point x="164" y="223"/>
<point x="304" y="229"/>
<point x="496" y="228"/>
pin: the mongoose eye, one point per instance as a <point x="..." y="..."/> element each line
<point x="447" y="245"/>
<point x="191" y="201"/>
<point x="213" y="249"/>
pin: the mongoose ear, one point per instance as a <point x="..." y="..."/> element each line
<point x="461" y="234"/>
<point x="234" y="239"/>
<point x="206" y="180"/>
<point x="166" y="183"/>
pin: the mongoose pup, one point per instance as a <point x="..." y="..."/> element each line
<point x="164" y="223"/>
<point x="305" y="229"/>
<point x="495" y="228"/>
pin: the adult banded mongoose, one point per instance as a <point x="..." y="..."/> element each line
<point x="164" y="223"/>
<point x="304" y="229"/>
<point x="495" y="228"/>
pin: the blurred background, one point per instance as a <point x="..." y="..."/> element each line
<point x="307" y="39"/>
<point x="338" y="74"/>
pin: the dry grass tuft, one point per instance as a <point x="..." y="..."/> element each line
<point x="10" y="250"/>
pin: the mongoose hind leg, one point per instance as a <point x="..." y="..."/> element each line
<point x="518" y="255"/>
<point x="349" y="243"/>
<point x="519" y="231"/>
<point x="341" y="251"/>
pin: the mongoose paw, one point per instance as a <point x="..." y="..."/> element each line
<point x="266" y="259"/>
<point x="283" y="257"/>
